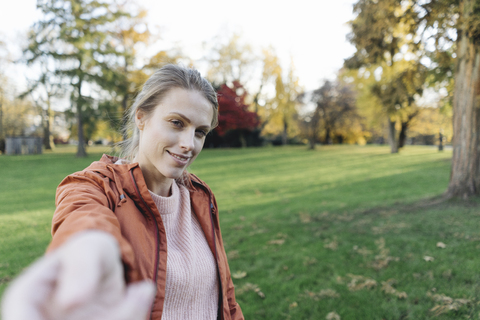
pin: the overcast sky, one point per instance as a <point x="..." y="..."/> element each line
<point x="313" y="32"/>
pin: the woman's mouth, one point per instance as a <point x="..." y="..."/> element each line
<point x="179" y="158"/>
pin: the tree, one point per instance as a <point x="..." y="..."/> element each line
<point x="42" y="91"/>
<point x="233" y="112"/>
<point x="334" y="114"/>
<point x="279" y="113"/>
<point x="17" y="114"/>
<point x="465" y="175"/>
<point x="230" y="59"/>
<point x="3" y="80"/>
<point x="78" y="35"/>
<point x="383" y="33"/>
<point x="447" y="29"/>
<point x="397" y="90"/>
<point x="124" y="79"/>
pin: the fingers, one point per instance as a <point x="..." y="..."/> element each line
<point x="26" y="296"/>
<point x="137" y="302"/>
<point x="81" y="280"/>
<point x="88" y="261"/>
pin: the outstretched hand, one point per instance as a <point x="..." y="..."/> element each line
<point x="83" y="279"/>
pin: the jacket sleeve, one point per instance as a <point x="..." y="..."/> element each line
<point x="82" y="204"/>
<point x="235" y="311"/>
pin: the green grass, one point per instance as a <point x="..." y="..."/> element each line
<point x="299" y="225"/>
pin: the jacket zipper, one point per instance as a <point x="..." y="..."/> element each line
<point x="216" y="259"/>
<point x="157" y="236"/>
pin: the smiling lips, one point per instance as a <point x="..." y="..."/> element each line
<point x="179" y="158"/>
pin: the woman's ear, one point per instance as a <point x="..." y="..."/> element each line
<point x="140" y="119"/>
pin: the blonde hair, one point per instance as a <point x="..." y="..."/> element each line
<point x="154" y="90"/>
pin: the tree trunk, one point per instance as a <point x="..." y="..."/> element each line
<point x="464" y="177"/>
<point x="392" y="140"/>
<point x="440" y="141"/>
<point x="313" y="128"/>
<point x="285" y="131"/>
<point x="312" y="139"/>
<point x="328" y="139"/>
<point x="402" y="137"/>
<point x="243" y="141"/>
<point x="47" y="129"/>
<point x="311" y="143"/>
<point x="2" y="137"/>
<point x="81" y="152"/>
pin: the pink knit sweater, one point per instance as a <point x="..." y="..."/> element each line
<point x="191" y="291"/>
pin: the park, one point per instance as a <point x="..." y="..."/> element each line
<point x="354" y="195"/>
<point x="347" y="230"/>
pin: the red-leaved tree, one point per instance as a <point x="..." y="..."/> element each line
<point x="233" y="112"/>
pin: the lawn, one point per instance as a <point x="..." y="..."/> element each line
<point x="346" y="231"/>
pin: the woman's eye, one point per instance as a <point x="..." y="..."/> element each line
<point x="176" y="123"/>
<point x="201" y="133"/>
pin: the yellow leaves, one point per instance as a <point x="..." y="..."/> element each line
<point x="428" y="258"/>
<point x="305" y="217"/>
<point x="281" y="239"/>
<point x="322" y="294"/>
<point x="382" y="259"/>
<point x="441" y="245"/>
<point x="277" y="241"/>
<point x="239" y="275"/>
<point x="250" y="287"/>
<point x="363" y="251"/>
<point x="446" y="303"/>
<point x="232" y="254"/>
<point x="309" y="261"/>
<point x="387" y="287"/>
<point x="360" y="282"/>
<point x="331" y="244"/>
<point x="333" y="316"/>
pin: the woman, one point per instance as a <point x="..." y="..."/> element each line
<point x="127" y="227"/>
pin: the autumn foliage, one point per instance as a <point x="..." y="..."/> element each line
<point x="233" y="112"/>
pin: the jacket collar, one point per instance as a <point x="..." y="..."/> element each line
<point x="121" y="176"/>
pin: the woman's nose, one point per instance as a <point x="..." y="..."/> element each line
<point x="187" y="141"/>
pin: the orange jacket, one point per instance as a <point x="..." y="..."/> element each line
<point x="115" y="198"/>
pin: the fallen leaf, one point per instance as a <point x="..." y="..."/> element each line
<point x="239" y="275"/>
<point x="325" y="293"/>
<point x="360" y="282"/>
<point x="305" y="217"/>
<point x="428" y="258"/>
<point x="441" y="245"/>
<point x="277" y="241"/>
<point x="332" y="245"/>
<point x="309" y="261"/>
<point x="333" y="316"/>
<point x="250" y="287"/>
<point x="446" y="303"/>
<point x="387" y="287"/>
<point x="232" y="254"/>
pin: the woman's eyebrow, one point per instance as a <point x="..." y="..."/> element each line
<point x="189" y="121"/>
<point x="182" y="115"/>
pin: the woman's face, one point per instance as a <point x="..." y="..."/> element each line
<point x="172" y="136"/>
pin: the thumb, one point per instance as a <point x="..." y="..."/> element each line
<point x="137" y="302"/>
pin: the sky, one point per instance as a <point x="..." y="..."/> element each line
<point x="312" y="32"/>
